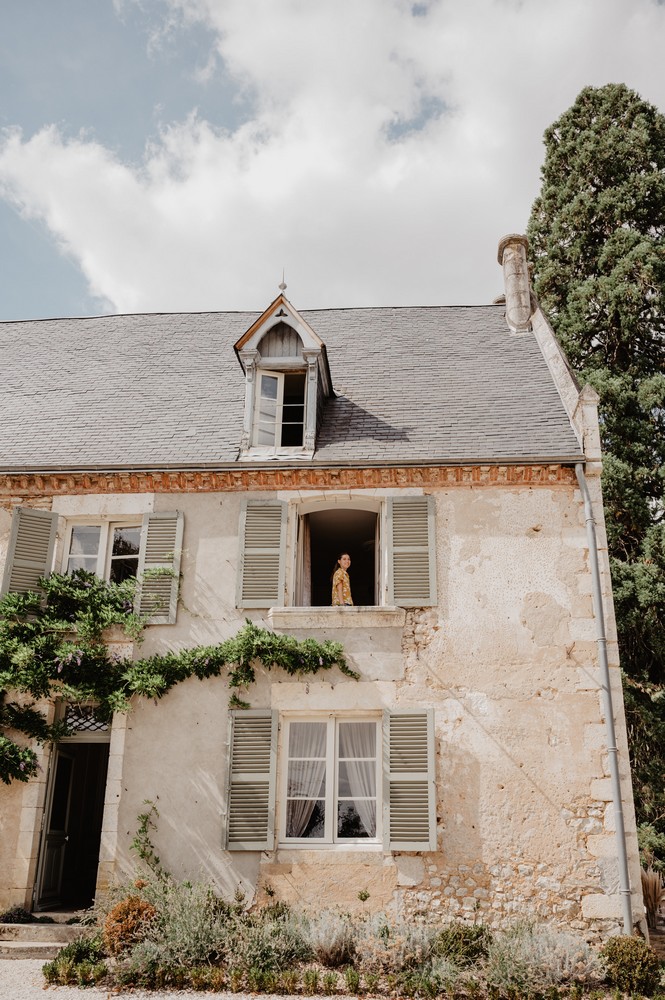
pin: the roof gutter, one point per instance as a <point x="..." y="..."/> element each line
<point x="608" y="708"/>
<point x="280" y="465"/>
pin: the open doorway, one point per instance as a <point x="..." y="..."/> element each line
<point x="326" y="533"/>
<point x="69" y="852"/>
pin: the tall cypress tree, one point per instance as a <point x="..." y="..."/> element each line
<point x="597" y="242"/>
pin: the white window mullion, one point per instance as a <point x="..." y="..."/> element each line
<point x="331" y="783"/>
<point x="104" y="555"/>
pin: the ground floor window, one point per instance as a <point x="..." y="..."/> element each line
<point x="344" y="779"/>
<point x="332" y="786"/>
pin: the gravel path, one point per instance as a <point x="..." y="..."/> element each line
<point x="21" y="979"/>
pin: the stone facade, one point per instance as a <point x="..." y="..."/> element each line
<point x="504" y="657"/>
<point x="507" y="658"/>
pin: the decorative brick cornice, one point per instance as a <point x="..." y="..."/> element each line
<point x="247" y="479"/>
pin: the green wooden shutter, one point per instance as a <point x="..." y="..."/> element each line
<point x="250" y="810"/>
<point x="412" y="551"/>
<point x="159" y="566"/>
<point x="409" y="794"/>
<point x="262" y="552"/>
<point x="30" y="549"/>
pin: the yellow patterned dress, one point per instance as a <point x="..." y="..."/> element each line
<point x="341" y="576"/>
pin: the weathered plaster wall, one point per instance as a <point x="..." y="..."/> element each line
<point x="508" y="659"/>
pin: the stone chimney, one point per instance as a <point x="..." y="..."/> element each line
<point x="512" y="256"/>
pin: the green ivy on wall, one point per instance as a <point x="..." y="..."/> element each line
<point x="52" y="646"/>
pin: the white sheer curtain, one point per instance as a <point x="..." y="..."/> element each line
<point x="306" y="774"/>
<point x="358" y="740"/>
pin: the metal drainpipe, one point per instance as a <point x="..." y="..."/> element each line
<point x="608" y="709"/>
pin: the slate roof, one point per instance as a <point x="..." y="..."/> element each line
<point x="432" y="385"/>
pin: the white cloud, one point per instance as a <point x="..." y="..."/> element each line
<point x="329" y="178"/>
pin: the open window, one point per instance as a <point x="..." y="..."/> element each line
<point x="286" y="381"/>
<point x="323" y="536"/>
<point x="280" y="410"/>
<point x="391" y="542"/>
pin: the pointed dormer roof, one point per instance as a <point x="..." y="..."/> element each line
<point x="280" y="310"/>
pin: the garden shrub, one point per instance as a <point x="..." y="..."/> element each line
<point x="79" y="962"/>
<point x="127" y="923"/>
<point x="352" y="980"/>
<point x="382" y="946"/>
<point x="263" y="942"/>
<point x="329" y="983"/>
<point x="290" y="980"/>
<point x="446" y="972"/>
<point x="529" y="956"/>
<point x="310" y="982"/>
<point x="331" y="937"/>
<point x="16" y="915"/>
<point x="631" y="964"/>
<point x="462" y="943"/>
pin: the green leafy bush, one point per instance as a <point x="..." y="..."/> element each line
<point x="16" y="915"/>
<point x="80" y="962"/>
<point x="52" y="644"/>
<point x="631" y="964"/>
<point x="290" y="979"/>
<point x="352" y="980"/>
<point x="462" y="943"/>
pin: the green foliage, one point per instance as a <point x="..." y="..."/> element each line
<point x="352" y="980"/>
<point x="310" y="982"/>
<point x="652" y="847"/>
<point x="52" y="645"/>
<point x="631" y="964"/>
<point x="80" y="962"/>
<point x="16" y="915"/>
<point x="597" y="242"/>
<point x="142" y="843"/>
<point x="463" y="944"/>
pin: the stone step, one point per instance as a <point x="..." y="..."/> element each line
<point x="41" y="932"/>
<point x="39" y="940"/>
<point x="45" y="950"/>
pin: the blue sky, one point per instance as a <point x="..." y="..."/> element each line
<point x="176" y="154"/>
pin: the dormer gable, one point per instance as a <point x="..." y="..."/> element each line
<point x="287" y="380"/>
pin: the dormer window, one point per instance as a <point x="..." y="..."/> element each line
<point x="280" y="411"/>
<point x="286" y="381"/>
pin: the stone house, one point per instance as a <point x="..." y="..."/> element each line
<point x="471" y="770"/>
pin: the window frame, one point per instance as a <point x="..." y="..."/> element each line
<point x="104" y="555"/>
<point x="296" y="565"/>
<point x="277" y="449"/>
<point x="330" y="841"/>
<point x="417" y="556"/>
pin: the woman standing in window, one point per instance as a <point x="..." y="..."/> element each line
<point x="341" y="585"/>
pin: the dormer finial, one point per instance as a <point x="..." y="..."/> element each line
<point x="282" y="284"/>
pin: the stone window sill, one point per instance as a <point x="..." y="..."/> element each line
<point x="328" y="617"/>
